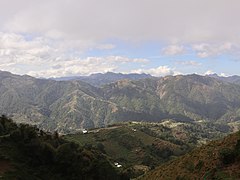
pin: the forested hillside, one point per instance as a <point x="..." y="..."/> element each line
<point x="29" y="153"/>
<point x="68" y="106"/>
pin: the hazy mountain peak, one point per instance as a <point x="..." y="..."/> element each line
<point x="99" y="79"/>
<point x="231" y="79"/>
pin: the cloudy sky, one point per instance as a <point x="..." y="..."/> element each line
<point x="53" y="38"/>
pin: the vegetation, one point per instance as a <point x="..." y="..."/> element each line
<point x="67" y="106"/>
<point x="139" y="147"/>
<point x="215" y="160"/>
<point x="229" y="155"/>
<point x="34" y="154"/>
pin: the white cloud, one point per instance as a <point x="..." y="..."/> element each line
<point x="75" y="67"/>
<point x="223" y="75"/>
<point x="41" y="57"/>
<point x="93" y="20"/>
<point x="209" y="72"/>
<point x="60" y="30"/>
<point x="159" y="71"/>
<point x="85" y="66"/>
<point x="15" y="49"/>
<point x="106" y="46"/>
<point x="189" y="63"/>
<point x="173" y="50"/>
<point x="204" y="50"/>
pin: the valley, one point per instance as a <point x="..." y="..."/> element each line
<point x="119" y="90"/>
<point x="140" y="146"/>
<point x="136" y="126"/>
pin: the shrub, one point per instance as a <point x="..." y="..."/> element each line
<point x="199" y="165"/>
<point x="227" y="155"/>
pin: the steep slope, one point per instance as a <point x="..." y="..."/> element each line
<point x="67" y="106"/>
<point x="184" y="98"/>
<point x="138" y="96"/>
<point x="216" y="160"/>
<point x="198" y="97"/>
<point x="29" y="153"/>
<point x="57" y="105"/>
<point x="51" y="104"/>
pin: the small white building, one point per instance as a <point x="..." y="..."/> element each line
<point x="84" y="131"/>
<point x="117" y="165"/>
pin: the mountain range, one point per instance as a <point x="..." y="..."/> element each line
<point x="70" y="105"/>
<point x="232" y="79"/>
<point x="100" y="79"/>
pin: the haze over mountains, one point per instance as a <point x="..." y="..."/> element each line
<point x="232" y="79"/>
<point x="100" y="79"/>
<point x="70" y="105"/>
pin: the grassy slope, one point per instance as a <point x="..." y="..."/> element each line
<point x="202" y="163"/>
<point x="122" y="144"/>
<point x="144" y="144"/>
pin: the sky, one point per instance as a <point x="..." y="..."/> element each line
<point x="57" y="38"/>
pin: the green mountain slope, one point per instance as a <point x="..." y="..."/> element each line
<point x="29" y="153"/>
<point x="51" y="104"/>
<point x="190" y="97"/>
<point x="216" y="160"/>
<point x="199" y="97"/>
<point x="67" y="106"/>
<point x="139" y="147"/>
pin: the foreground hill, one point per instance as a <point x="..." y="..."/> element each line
<point x="29" y="153"/>
<point x="139" y="147"/>
<point x="216" y="160"/>
<point x="68" y="106"/>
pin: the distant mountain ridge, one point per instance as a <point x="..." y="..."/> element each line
<point x="100" y="79"/>
<point x="67" y="106"/>
<point x="232" y="79"/>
